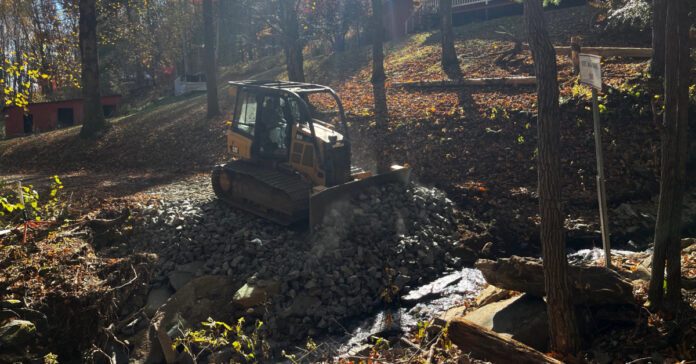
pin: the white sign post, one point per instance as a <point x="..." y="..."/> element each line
<point x="591" y="75"/>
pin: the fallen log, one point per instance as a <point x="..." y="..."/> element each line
<point x="607" y="51"/>
<point x="104" y="224"/>
<point x="589" y="285"/>
<point x="491" y="346"/>
<point x="505" y="81"/>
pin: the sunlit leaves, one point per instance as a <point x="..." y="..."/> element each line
<point x="218" y="334"/>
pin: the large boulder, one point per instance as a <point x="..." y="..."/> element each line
<point x="16" y="334"/>
<point x="522" y="318"/>
<point x="203" y="297"/>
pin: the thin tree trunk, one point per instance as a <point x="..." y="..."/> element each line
<point x="379" y="89"/>
<point x="450" y="63"/>
<point x="293" y="45"/>
<point x="674" y="253"/>
<point x="657" y="64"/>
<point x="673" y="160"/>
<point x="339" y="40"/>
<point x="563" y="329"/>
<point x="93" y="120"/>
<point x="210" y="74"/>
<point x="225" y="38"/>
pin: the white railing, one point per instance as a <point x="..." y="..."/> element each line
<point x="456" y="3"/>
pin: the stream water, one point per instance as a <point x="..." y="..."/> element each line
<point x="419" y="305"/>
<point x="432" y="300"/>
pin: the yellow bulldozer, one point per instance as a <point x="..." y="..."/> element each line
<point x="287" y="165"/>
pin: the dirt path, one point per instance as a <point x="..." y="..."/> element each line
<point x="92" y="185"/>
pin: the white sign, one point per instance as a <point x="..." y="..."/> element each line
<point x="590" y="70"/>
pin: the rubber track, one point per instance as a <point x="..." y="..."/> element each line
<point x="291" y="185"/>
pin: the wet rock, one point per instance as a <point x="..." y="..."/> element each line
<point x="15" y="334"/>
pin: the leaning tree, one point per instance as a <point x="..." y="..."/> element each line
<point x="563" y="329"/>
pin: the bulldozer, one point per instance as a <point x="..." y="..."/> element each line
<point x="286" y="164"/>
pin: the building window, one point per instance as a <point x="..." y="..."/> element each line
<point x="66" y="117"/>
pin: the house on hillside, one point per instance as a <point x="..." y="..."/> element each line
<point x="406" y="16"/>
<point x="43" y="116"/>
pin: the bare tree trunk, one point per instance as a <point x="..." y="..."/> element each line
<point x="562" y="322"/>
<point x="210" y="74"/>
<point x="339" y="40"/>
<point x="668" y="227"/>
<point x="93" y="120"/>
<point x="225" y="43"/>
<point x="450" y="63"/>
<point x="657" y="64"/>
<point x="379" y="89"/>
<point x="292" y="45"/>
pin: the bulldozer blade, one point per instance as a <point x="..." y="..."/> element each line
<point x="321" y="203"/>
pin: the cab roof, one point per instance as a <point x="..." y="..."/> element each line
<point x="299" y="88"/>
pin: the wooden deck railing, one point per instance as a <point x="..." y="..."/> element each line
<point x="431" y="7"/>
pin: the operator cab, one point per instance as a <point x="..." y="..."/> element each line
<point x="276" y="121"/>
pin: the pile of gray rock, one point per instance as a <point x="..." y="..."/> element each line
<point x="367" y="252"/>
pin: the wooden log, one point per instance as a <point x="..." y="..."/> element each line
<point x="505" y="81"/>
<point x="491" y="346"/>
<point x="104" y="224"/>
<point x="607" y="51"/>
<point x="589" y="285"/>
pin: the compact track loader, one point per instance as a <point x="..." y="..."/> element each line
<point x="286" y="164"/>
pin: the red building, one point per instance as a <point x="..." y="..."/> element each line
<point x="43" y="116"/>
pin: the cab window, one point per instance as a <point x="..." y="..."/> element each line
<point x="246" y="119"/>
<point x="295" y="110"/>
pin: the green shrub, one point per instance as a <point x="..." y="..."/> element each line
<point x="12" y="209"/>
